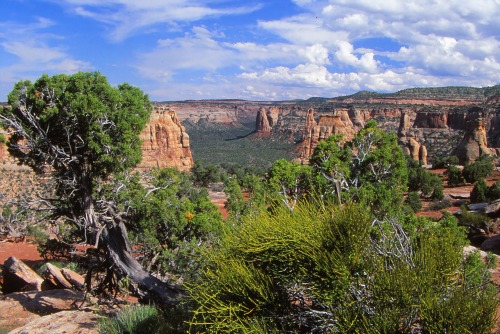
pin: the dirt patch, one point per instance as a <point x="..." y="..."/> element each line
<point x="24" y="251"/>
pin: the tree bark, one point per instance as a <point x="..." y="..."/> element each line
<point x="115" y="241"/>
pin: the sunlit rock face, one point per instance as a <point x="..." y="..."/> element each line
<point x="165" y="142"/>
<point x="262" y="125"/>
<point x="475" y="142"/>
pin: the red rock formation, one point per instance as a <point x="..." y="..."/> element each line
<point x="475" y="142"/>
<point x="262" y="126"/>
<point x="165" y="142"/>
<point x="432" y="120"/>
<point x="422" y="155"/>
<point x="338" y="123"/>
<point x="273" y="115"/>
<point x="414" y="147"/>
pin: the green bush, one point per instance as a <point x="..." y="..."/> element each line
<point x="439" y="205"/>
<point x="477" y="170"/>
<point x="479" y="192"/>
<point x="326" y="269"/>
<point x="136" y="319"/>
<point x="445" y="162"/>
<point x="455" y="177"/>
<point x="414" y="201"/>
<point x="473" y="220"/>
<point x="493" y="191"/>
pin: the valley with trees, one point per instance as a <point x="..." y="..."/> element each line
<point x="332" y="223"/>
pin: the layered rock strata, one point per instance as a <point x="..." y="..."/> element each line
<point x="165" y="142"/>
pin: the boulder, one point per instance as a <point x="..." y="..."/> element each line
<point x="17" y="276"/>
<point x="493" y="208"/>
<point x="58" y="276"/>
<point x="75" y="322"/>
<point x="46" y="302"/>
<point x="492" y="244"/>
<point x="76" y="280"/>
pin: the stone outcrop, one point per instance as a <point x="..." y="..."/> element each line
<point x="474" y="143"/>
<point x="18" y="276"/>
<point x="262" y="126"/>
<point x="165" y="142"/>
<point x="337" y="123"/>
<point x="422" y="154"/>
<point x="75" y="322"/>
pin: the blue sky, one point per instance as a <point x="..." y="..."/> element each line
<point x="258" y="50"/>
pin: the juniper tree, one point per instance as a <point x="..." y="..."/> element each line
<point x="82" y="130"/>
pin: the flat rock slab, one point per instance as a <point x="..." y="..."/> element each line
<point x="75" y="322"/>
<point x="14" y="315"/>
<point x="46" y="302"/>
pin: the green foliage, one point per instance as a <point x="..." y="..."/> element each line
<point x="289" y="181"/>
<point x="445" y="162"/>
<point x="233" y="145"/>
<point x="455" y="177"/>
<point x="473" y="220"/>
<point x="371" y="168"/>
<point x="135" y="319"/>
<point x="479" y="192"/>
<point x="477" y="170"/>
<point x="493" y="192"/>
<point x="235" y="203"/>
<point x="421" y="180"/>
<point x="170" y="220"/>
<point x="81" y="129"/>
<point x="203" y="175"/>
<point x="491" y="261"/>
<point x="414" y="201"/>
<point x="3" y="139"/>
<point x="439" y="205"/>
<point x="337" y="270"/>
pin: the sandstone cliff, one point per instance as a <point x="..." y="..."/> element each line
<point x="165" y="142"/>
<point x="262" y="124"/>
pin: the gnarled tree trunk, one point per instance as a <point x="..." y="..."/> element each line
<point x="115" y="241"/>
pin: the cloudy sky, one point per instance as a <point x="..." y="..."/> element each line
<point x="260" y="50"/>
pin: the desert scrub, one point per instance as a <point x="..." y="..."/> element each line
<point x="331" y="269"/>
<point x="135" y="319"/>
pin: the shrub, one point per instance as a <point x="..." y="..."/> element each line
<point x="473" y="220"/>
<point x="455" y="177"/>
<point x="445" y="162"/>
<point x="480" y="169"/>
<point x="478" y="193"/>
<point x="414" y="201"/>
<point x="136" y="319"/>
<point x="439" y="205"/>
<point x="437" y="193"/>
<point x="493" y="191"/>
<point x="337" y="270"/>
